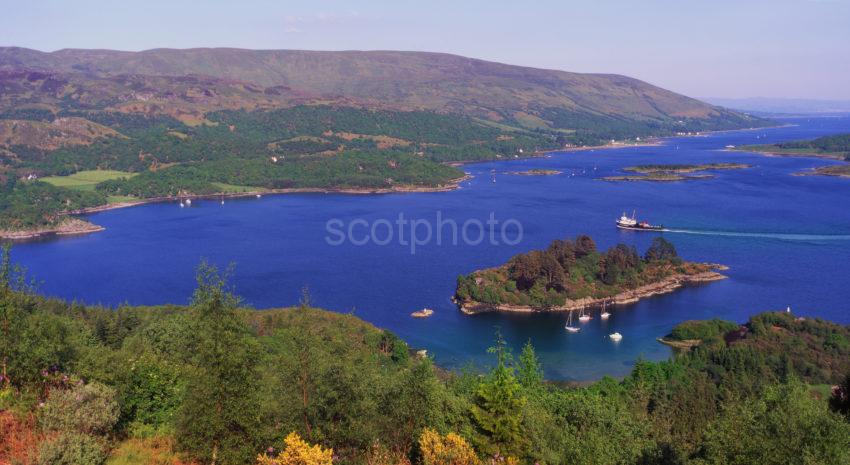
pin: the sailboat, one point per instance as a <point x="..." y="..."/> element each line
<point x="604" y="315"/>
<point x="569" y="327"/>
<point x="616" y="337"/>
<point x="493" y="172"/>
<point x="583" y="317"/>
<point x="188" y="202"/>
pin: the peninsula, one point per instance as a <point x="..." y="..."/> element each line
<point x="573" y="274"/>
<point x="835" y="147"/>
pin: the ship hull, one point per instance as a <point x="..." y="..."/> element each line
<point x="641" y="228"/>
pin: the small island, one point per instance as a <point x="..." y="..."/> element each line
<point x="841" y="171"/>
<point x="535" y="172"/>
<point x="668" y="173"/>
<point x="573" y="274"/>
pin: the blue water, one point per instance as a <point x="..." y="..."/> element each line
<point x="786" y="239"/>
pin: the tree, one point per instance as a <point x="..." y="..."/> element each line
<point x="584" y="246"/>
<point x="785" y="425"/>
<point x="218" y="420"/>
<point x="839" y="402"/>
<point x="530" y="371"/>
<point x="525" y="269"/>
<point x="298" y="452"/>
<point x="660" y="250"/>
<point x="498" y="405"/>
<point x="15" y="295"/>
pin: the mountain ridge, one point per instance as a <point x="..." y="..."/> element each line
<point x="442" y="82"/>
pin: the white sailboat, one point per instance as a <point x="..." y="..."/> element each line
<point x="583" y="317"/>
<point x="569" y="327"/>
<point x="604" y="315"/>
<point x="616" y="337"/>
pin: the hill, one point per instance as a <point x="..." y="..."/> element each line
<point x="519" y="95"/>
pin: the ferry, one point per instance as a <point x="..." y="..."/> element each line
<point x="633" y="224"/>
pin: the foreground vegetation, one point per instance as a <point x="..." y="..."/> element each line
<point x="569" y="270"/>
<point x="216" y="383"/>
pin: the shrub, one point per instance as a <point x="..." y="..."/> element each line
<point x="85" y="408"/>
<point x="298" y="452"/>
<point x="72" y="448"/>
<point x="450" y="449"/>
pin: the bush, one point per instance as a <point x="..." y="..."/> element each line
<point x="450" y="449"/>
<point x="703" y="330"/>
<point x="72" y="449"/>
<point x="89" y="408"/>
<point x="298" y="452"/>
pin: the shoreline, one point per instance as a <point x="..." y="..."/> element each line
<point x="627" y="297"/>
<point x="69" y="226"/>
<point x="77" y="226"/>
<point x="769" y="153"/>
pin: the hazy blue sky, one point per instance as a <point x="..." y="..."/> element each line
<point x="725" y="48"/>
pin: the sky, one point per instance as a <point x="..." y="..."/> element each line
<point x="717" y="48"/>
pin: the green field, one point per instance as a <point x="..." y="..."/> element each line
<point x="86" y="180"/>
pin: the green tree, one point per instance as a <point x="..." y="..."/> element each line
<point x="15" y="295"/>
<point x="660" y="250"/>
<point x="497" y="410"/>
<point x="786" y="425"/>
<point x="218" y="420"/>
<point x="530" y="371"/>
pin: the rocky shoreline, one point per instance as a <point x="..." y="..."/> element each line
<point x="68" y="227"/>
<point x="631" y="296"/>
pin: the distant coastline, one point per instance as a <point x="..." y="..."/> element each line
<point x="72" y="225"/>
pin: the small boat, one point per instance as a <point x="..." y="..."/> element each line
<point x="633" y="224"/>
<point x="493" y="173"/>
<point x="583" y="317"/>
<point x="616" y="337"/>
<point x="569" y="326"/>
<point x="604" y="315"/>
<point x="188" y="202"/>
<point x="258" y="196"/>
<point x="730" y="146"/>
<point x="182" y="204"/>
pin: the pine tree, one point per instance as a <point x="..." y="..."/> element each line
<point x="219" y="419"/>
<point x="499" y="402"/>
<point x="530" y="371"/>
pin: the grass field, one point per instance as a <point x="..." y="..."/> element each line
<point x="86" y="180"/>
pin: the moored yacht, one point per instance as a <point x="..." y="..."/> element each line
<point x="604" y="315"/>
<point x="569" y="326"/>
